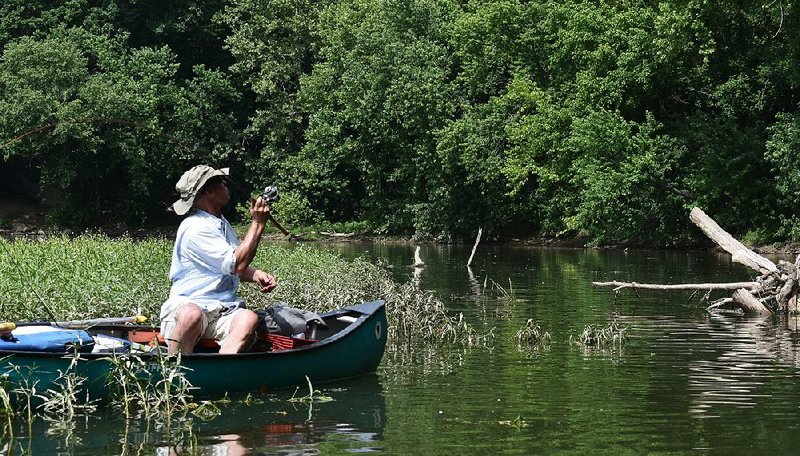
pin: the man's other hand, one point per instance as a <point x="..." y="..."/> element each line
<point x="266" y="282"/>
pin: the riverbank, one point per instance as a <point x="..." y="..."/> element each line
<point x="23" y="218"/>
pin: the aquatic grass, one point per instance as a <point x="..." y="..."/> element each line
<point x="206" y="410"/>
<point x="92" y="276"/>
<point x="489" y="291"/>
<point x="61" y="405"/>
<point x="25" y="390"/>
<point x="313" y="395"/>
<point x="517" y="423"/>
<point x="7" y="411"/>
<point x="531" y="336"/>
<point x="83" y="277"/>
<point x="611" y="336"/>
<point x="503" y="293"/>
<point x="65" y="402"/>
<point x="151" y="384"/>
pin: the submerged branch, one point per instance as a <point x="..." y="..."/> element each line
<point x="754" y="286"/>
<point x="780" y="282"/>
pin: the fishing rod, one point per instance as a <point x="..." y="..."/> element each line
<point x="19" y="268"/>
<point x="78" y="324"/>
<point x="111" y="120"/>
<point x="269" y="195"/>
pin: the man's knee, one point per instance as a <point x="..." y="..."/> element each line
<point x="247" y="319"/>
<point x="189" y="316"/>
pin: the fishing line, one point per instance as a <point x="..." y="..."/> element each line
<point x="111" y="120"/>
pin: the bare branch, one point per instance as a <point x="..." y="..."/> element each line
<point x="754" y="286"/>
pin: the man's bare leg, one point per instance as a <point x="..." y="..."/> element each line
<point x="241" y="333"/>
<point x="188" y="325"/>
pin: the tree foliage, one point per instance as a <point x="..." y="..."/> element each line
<point x="606" y="120"/>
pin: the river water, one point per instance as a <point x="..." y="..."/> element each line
<point x="682" y="382"/>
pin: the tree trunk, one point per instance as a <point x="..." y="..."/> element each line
<point x="750" y="304"/>
<point x="739" y="253"/>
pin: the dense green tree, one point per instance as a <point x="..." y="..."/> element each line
<point x="107" y="122"/>
<point x="380" y="91"/>
<point x="599" y="119"/>
<point x="273" y="45"/>
<point x="649" y="108"/>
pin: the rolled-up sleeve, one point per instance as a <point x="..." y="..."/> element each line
<point x="208" y="249"/>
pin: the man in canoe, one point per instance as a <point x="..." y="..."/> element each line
<point x="208" y="262"/>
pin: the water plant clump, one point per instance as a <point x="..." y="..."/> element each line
<point x="82" y="277"/>
<point x="611" y="336"/>
<point x="313" y="395"/>
<point x="154" y="385"/>
<point x="94" y="276"/>
<point x="532" y="336"/>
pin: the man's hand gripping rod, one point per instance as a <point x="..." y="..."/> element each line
<point x="270" y="195"/>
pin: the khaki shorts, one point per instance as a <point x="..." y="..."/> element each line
<point x="216" y="322"/>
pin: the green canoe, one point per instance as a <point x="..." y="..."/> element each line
<point x="352" y="344"/>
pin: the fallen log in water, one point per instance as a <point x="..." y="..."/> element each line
<point x="777" y="283"/>
<point x="753" y="286"/>
<point x="739" y="253"/>
<point x="749" y="303"/>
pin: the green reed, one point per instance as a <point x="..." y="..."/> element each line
<point x="7" y="412"/>
<point x="152" y="386"/>
<point x="313" y="395"/>
<point x="611" y="336"/>
<point x="92" y="276"/>
<point x="532" y="336"/>
<point x="83" y="277"/>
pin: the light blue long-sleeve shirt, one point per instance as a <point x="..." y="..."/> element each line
<point x="203" y="264"/>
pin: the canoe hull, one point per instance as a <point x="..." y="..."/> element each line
<point x="353" y="351"/>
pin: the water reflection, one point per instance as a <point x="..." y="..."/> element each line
<point x="683" y="380"/>
<point x="354" y="420"/>
<point x="227" y="445"/>
<point x="730" y="361"/>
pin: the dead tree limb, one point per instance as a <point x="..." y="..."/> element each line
<point x="739" y="253"/>
<point x="475" y="247"/>
<point x="749" y="303"/>
<point x="754" y="286"/>
<point x="780" y="282"/>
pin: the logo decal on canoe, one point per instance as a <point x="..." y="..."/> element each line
<point x="378" y="330"/>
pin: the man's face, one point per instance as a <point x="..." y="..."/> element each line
<point x="218" y="192"/>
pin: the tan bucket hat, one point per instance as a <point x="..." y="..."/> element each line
<point x="190" y="184"/>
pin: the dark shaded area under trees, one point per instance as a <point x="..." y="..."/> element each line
<point x="604" y="120"/>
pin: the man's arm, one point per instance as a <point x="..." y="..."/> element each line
<point x="246" y="251"/>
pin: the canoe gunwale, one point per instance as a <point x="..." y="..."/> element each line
<point x="368" y="311"/>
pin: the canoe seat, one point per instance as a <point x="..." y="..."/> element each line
<point x="278" y="342"/>
<point x="272" y="342"/>
<point x="147" y="337"/>
<point x="153" y="337"/>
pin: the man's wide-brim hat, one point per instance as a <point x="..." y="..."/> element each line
<point x="191" y="183"/>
